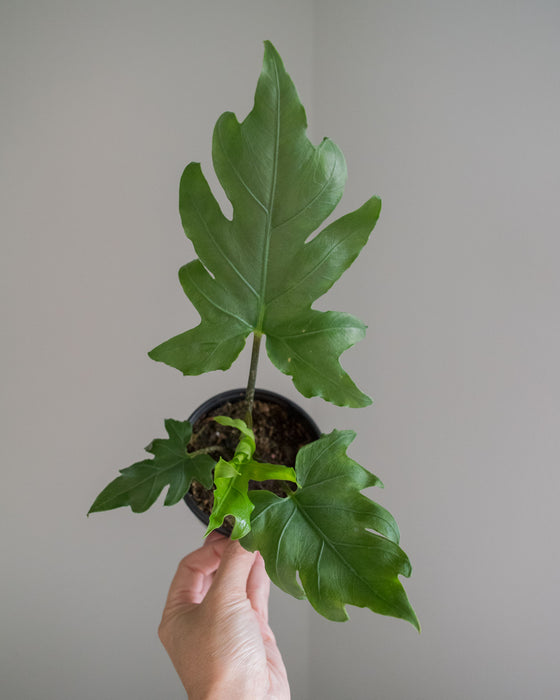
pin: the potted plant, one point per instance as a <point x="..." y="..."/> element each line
<point x="258" y="275"/>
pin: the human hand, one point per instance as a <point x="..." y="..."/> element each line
<point x="215" y="626"/>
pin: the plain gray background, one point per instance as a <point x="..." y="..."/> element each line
<point x="450" y="111"/>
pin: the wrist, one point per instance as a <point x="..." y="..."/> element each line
<point x="219" y="693"/>
<point x="218" y="690"/>
<point x="232" y="690"/>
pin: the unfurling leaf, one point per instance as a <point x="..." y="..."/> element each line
<point x="140" y="485"/>
<point x="259" y="272"/>
<point x="324" y="532"/>
<point x="231" y="496"/>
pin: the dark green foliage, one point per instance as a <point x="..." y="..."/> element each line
<point x="256" y="273"/>
<point x="260" y="273"/>
<point x="343" y="545"/>
<point x="140" y="485"/>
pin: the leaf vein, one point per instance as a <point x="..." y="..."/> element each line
<point x="345" y="562"/>
<point x="211" y="301"/>
<point x="311" y="201"/>
<point x="237" y="173"/>
<point x="326" y="377"/>
<point x="278" y="546"/>
<point x="219" y="248"/>
<point x="301" y="336"/>
<point x="318" y="566"/>
<point x="310" y="272"/>
<point x="328" y="448"/>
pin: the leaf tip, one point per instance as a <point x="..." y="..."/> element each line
<point x="92" y="509"/>
<point x="368" y="401"/>
<point x="209" y="530"/>
<point x="269" y="47"/>
<point x="415" y="622"/>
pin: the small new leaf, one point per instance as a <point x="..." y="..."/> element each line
<point x="262" y="270"/>
<point x="231" y="495"/>
<point x="139" y="485"/>
<point x="344" y="546"/>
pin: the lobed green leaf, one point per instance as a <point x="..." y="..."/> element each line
<point x="139" y="485"/>
<point x="343" y="545"/>
<point x="262" y="270"/>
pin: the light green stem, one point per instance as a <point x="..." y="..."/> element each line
<point x="206" y="450"/>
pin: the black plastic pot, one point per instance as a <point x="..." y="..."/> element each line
<point x="235" y="396"/>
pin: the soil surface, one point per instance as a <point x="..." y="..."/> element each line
<point x="279" y="434"/>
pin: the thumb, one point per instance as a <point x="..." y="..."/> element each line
<point x="232" y="574"/>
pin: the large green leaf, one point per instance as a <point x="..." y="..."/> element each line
<point x="259" y="272"/>
<point x="231" y="495"/>
<point x="344" y="546"/>
<point x="139" y="485"/>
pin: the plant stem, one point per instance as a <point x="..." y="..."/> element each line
<point x="288" y="488"/>
<point x="206" y="450"/>
<point x="250" y="393"/>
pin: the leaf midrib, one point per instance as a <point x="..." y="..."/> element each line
<point x="331" y="544"/>
<point x="229" y="488"/>
<point x="313" y="525"/>
<point x="324" y="538"/>
<point x="272" y="195"/>
<point x="182" y="462"/>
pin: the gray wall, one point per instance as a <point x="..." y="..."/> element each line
<point x="450" y="112"/>
<point x="102" y="105"/>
